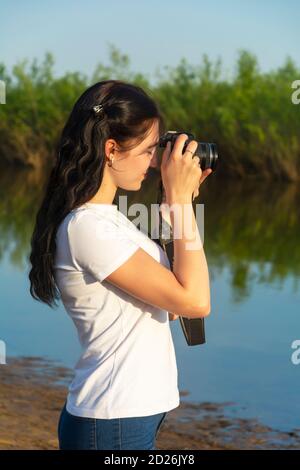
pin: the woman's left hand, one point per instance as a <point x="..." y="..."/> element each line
<point x="172" y="316"/>
<point x="204" y="175"/>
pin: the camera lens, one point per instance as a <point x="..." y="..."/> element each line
<point x="213" y="156"/>
<point x="208" y="155"/>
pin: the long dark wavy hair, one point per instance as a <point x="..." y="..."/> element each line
<point x="78" y="170"/>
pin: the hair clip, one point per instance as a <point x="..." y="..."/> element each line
<point x="98" y="108"/>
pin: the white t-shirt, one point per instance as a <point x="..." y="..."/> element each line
<point x="128" y="363"/>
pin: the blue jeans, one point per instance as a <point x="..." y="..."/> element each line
<point x="134" y="433"/>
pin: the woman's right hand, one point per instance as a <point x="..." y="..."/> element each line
<point x="180" y="172"/>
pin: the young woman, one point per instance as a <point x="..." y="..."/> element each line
<point x="114" y="281"/>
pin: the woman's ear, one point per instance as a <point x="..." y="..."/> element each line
<point x="110" y="147"/>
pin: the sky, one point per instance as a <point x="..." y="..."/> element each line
<point x="153" y="34"/>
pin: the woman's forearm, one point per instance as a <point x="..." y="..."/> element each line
<point x="189" y="264"/>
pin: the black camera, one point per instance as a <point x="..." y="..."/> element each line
<point x="207" y="152"/>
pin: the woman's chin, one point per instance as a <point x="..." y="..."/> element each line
<point x="132" y="187"/>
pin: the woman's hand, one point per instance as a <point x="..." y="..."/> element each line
<point x="179" y="171"/>
<point x="203" y="176"/>
<point x="172" y="316"/>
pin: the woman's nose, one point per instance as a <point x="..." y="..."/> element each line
<point x="153" y="161"/>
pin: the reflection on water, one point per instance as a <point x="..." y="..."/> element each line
<point x="253" y="252"/>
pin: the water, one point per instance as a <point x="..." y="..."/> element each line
<point x="253" y="253"/>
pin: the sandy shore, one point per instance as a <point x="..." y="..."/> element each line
<point x="33" y="391"/>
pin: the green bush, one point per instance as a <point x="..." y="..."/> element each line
<point x="250" y="116"/>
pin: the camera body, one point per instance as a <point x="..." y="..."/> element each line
<point x="207" y="152"/>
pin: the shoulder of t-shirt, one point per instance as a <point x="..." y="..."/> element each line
<point x="89" y="215"/>
<point x="112" y="221"/>
<point x="84" y="223"/>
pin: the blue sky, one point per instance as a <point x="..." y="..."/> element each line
<point x="152" y="33"/>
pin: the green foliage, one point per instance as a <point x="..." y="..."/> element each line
<point x="250" y="116"/>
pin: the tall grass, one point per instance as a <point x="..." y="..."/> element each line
<point x="250" y="115"/>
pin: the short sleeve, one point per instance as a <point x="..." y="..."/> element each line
<point x="99" y="245"/>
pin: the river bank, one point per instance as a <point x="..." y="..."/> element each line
<point x="33" y="391"/>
